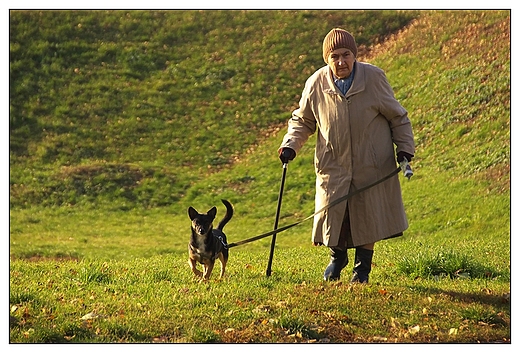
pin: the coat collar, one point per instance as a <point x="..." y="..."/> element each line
<point x="358" y="84"/>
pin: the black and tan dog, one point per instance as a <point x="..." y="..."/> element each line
<point x="208" y="244"/>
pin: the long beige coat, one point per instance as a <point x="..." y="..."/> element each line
<point x="355" y="147"/>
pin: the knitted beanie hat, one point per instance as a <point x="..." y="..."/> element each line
<point x="338" y="38"/>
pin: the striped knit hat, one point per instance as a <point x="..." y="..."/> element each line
<point x="338" y="38"/>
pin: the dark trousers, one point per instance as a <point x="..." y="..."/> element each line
<point x="345" y="235"/>
<point x="339" y="257"/>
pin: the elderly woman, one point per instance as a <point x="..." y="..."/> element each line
<point x="359" y="121"/>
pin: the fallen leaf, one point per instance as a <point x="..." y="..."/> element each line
<point x="90" y="316"/>
<point x="329" y="315"/>
<point x="453" y="331"/>
<point x="229" y="330"/>
<point x="414" y="329"/>
<point x="394" y="322"/>
<point x="379" y="339"/>
<point x="28" y="332"/>
<point x="261" y="308"/>
<point x="26" y="313"/>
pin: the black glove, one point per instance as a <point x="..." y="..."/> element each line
<point x="287" y="154"/>
<point x="402" y="155"/>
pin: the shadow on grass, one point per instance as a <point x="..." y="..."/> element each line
<point x="496" y="308"/>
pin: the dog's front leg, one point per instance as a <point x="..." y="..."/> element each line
<point x="208" y="267"/>
<point x="193" y="266"/>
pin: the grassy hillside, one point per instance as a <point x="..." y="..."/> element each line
<point x="120" y="120"/>
<point x="135" y="106"/>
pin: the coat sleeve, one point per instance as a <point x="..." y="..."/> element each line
<point x="396" y="115"/>
<point x="302" y="123"/>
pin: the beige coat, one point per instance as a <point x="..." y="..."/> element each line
<point x="354" y="148"/>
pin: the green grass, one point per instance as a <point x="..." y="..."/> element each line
<point x="120" y="120"/>
<point x="156" y="299"/>
<point x="162" y="94"/>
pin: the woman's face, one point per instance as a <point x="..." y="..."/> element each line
<point x="341" y="61"/>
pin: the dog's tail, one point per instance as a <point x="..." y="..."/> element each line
<point x="227" y="217"/>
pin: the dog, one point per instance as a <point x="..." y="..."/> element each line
<point x="207" y="244"/>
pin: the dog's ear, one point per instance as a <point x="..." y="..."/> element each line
<point x="212" y="213"/>
<point x="192" y="213"/>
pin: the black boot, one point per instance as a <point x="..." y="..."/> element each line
<point x="338" y="261"/>
<point x="362" y="266"/>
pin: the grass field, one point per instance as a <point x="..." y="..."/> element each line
<point x="116" y="128"/>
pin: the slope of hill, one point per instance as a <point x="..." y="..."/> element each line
<point x="456" y="88"/>
<point x="459" y="91"/>
<point x="134" y="106"/>
<point x="459" y="104"/>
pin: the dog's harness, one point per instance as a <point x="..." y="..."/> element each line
<point x="219" y="237"/>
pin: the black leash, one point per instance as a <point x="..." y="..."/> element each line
<point x="333" y="203"/>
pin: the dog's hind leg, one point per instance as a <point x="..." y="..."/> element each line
<point x="223" y="262"/>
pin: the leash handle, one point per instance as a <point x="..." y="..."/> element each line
<point x="406" y="168"/>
